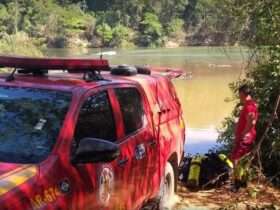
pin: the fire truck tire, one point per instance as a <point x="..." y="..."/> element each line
<point x="167" y="188"/>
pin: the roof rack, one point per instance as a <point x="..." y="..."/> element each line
<point x="90" y="68"/>
<point x="40" y="66"/>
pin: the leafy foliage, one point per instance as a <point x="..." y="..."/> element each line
<point x="122" y="36"/>
<point x="174" y="27"/>
<point x="151" y="29"/>
<point x="55" y="23"/>
<point x="106" y="32"/>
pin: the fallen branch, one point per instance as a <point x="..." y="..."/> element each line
<point x="274" y="177"/>
<point x="214" y="179"/>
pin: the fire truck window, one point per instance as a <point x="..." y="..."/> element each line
<point x="131" y="107"/>
<point x="96" y="119"/>
<point x="30" y="122"/>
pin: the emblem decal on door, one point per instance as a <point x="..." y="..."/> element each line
<point x="106" y="185"/>
<point x="140" y="151"/>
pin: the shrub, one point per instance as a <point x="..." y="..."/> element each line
<point x="151" y="31"/>
<point x="19" y="44"/>
<point x="105" y="32"/>
<point x="121" y="36"/>
<point x="175" y="27"/>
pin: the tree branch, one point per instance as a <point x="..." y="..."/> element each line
<point x="257" y="150"/>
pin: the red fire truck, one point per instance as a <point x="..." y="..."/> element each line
<point x="80" y="134"/>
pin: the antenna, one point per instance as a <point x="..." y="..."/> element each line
<point x="101" y="48"/>
<point x="11" y="77"/>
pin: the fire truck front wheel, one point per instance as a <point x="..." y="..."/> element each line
<point x="167" y="189"/>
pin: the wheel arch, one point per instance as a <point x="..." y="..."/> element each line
<point x="173" y="159"/>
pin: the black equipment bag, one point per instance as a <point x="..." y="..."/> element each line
<point x="214" y="172"/>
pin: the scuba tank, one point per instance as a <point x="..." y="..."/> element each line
<point x="226" y="160"/>
<point x="201" y="171"/>
<point x="194" y="171"/>
<point x="241" y="172"/>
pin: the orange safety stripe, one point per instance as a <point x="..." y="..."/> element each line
<point x="16" y="177"/>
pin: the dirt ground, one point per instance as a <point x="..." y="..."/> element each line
<point x="255" y="196"/>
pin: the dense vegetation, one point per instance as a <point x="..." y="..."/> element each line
<point x="119" y="23"/>
<point x="263" y="75"/>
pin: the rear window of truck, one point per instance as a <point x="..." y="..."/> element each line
<point x="131" y="108"/>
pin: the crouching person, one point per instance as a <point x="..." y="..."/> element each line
<point x="245" y="135"/>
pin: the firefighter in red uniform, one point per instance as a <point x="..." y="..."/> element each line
<point x="245" y="130"/>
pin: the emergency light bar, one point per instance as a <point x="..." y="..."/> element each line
<point x="70" y="64"/>
<point x="89" y="67"/>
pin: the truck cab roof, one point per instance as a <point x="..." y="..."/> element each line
<point x="68" y="74"/>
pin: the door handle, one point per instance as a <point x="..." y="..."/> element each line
<point x="122" y="162"/>
<point x="165" y="110"/>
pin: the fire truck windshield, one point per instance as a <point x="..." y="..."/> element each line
<point x="30" y="121"/>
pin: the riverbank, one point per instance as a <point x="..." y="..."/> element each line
<point x="22" y="44"/>
<point x="259" y="194"/>
<point x="256" y="196"/>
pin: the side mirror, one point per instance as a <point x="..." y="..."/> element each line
<point x="91" y="150"/>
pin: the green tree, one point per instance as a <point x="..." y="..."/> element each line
<point x="121" y="36"/>
<point x="169" y="10"/>
<point x="174" y="28"/>
<point x="6" y="21"/>
<point x="152" y="21"/>
<point x="105" y="32"/>
<point x="151" y="31"/>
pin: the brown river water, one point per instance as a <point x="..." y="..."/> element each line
<point x="203" y="94"/>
